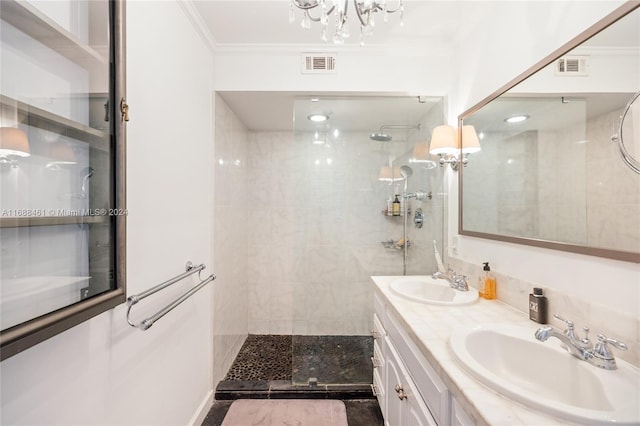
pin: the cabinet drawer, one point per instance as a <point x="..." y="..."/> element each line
<point x="379" y="390"/>
<point x="378" y="354"/>
<point x="427" y="381"/>
<point x="378" y="331"/>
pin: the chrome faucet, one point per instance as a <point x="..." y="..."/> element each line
<point x="598" y="354"/>
<point x="457" y="282"/>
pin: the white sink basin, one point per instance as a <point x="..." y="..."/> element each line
<point x="425" y="289"/>
<point x="541" y="375"/>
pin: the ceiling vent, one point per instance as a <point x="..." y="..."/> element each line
<point x="572" y="65"/>
<point x="318" y="63"/>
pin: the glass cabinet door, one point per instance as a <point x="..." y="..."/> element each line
<point x="62" y="207"/>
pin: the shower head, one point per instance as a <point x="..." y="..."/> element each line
<point x="406" y="171"/>
<point x="380" y="137"/>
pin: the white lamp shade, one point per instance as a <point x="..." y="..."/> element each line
<point x="470" y="141"/>
<point x="14" y="142"/>
<point x="421" y="151"/>
<point x="443" y="141"/>
<point x="61" y="153"/>
<point x="389" y="174"/>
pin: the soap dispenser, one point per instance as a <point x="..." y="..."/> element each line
<point x="396" y="206"/>
<point x="488" y="283"/>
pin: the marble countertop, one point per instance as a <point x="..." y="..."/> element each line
<point x="430" y="327"/>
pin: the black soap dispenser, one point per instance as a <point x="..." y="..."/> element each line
<point x="538" y="306"/>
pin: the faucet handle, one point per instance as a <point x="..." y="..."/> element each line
<point x="602" y="356"/>
<point x="568" y="322"/>
<point x="603" y="340"/>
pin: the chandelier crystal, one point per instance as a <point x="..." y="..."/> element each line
<point x="365" y="11"/>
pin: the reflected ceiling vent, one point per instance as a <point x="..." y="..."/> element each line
<point x="318" y="63"/>
<point x="572" y="65"/>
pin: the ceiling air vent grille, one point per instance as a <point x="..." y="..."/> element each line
<point x="572" y="66"/>
<point x="318" y="63"/>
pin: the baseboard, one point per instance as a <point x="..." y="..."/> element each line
<point x="203" y="410"/>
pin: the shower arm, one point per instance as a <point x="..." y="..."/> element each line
<point x="400" y="127"/>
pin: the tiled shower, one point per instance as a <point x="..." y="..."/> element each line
<point x="300" y="225"/>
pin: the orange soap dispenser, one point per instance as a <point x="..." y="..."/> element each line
<point x="489" y="283"/>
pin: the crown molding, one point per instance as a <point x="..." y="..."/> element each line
<point x="190" y="10"/>
<point x="410" y="50"/>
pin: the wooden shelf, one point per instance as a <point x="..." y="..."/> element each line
<point x="40" y="27"/>
<point x="37" y="117"/>
<point x="20" y="222"/>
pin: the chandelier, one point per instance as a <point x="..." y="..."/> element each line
<point x="365" y="11"/>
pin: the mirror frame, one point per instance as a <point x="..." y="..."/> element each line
<point x="605" y="22"/>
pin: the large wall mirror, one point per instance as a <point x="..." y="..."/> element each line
<point x="549" y="173"/>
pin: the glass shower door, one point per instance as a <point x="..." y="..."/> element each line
<point x="338" y="225"/>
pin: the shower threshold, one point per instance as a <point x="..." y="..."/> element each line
<point x="285" y="366"/>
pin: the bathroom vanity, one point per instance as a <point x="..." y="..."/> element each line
<point x="408" y="388"/>
<point x="417" y="378"/>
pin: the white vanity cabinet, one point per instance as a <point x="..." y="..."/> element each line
<point x="409" y="390"/>
<point x="404" y="405"/>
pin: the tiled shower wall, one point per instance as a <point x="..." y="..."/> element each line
<point x="315" y="227"/>
<point x="230" y="238"/>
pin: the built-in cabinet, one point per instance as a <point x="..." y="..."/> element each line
<point x="62" y="166"/>
<point x="407" y="386"/>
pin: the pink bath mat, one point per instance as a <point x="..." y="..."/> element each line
<point x="286" y="412"/>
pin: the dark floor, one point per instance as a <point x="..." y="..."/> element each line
<point x="304" y="359"/>
<point x="360" y="412"/>
<point x="324" y="367"/>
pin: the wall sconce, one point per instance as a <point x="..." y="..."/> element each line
<point x="444" y="143"/>
<point x="13" y="142"/>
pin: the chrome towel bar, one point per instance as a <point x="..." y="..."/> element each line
<point x="190" y="269"/>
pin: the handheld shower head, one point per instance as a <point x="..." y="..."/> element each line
<point x="87" y="172"/>
<point x="406" y="171"/>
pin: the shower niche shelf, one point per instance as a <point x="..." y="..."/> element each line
<point x="385" y="212"/>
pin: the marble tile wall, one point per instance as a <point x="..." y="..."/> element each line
<point x="230" y="238"/>
<point x="582" y="311"/>
<point x="613" y="190"/>
<point x="315" y="229"/>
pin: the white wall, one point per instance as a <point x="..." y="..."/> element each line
<point x="279" y="70"/>
<point x="230" y="238"/>
<point x="534" y="30"/>
<point x="103" y="371"/>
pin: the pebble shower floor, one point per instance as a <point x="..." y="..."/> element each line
<point x="327" y="359"/>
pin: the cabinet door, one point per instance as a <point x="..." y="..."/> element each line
<point x="394" y="378"/>
<point x="405" y="406"/>
<point x="62" y="158"/>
